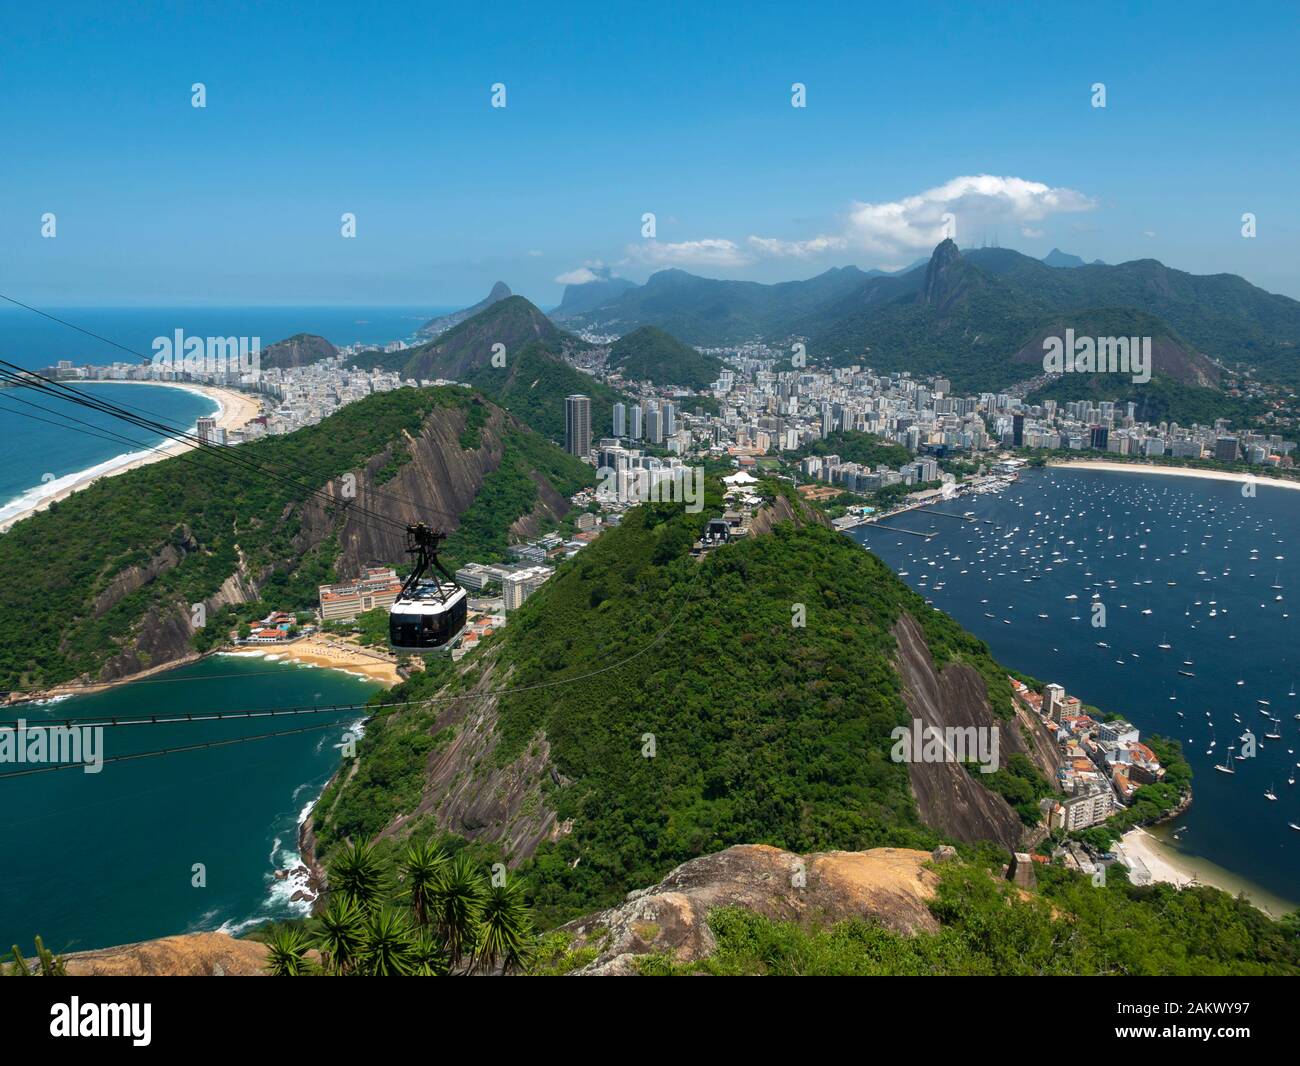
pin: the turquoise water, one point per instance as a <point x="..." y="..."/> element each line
<point x="91" y="860"/>
<point x="1127" y="537"/>
<point x="38" y="447"/>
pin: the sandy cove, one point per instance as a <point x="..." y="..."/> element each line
<point x="234" y="411"/>
<point x="1173" y="867"/>
<point x="331" y="652"/>
<point x="1172" y="471"/>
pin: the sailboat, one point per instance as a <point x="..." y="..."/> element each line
<point x="1164" y="644"/>
<point x="1270" y="794"/>
<point x="1276" y="732"/>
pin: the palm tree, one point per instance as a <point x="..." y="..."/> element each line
<point x="287" y="956"/>
<point x="388" y="949"/>
<point x="505" y="931"/>
<point x="360" y="875"/>
<point x="341" y="934"/>
<point x="422" y="864"/>
<point x="456" y="905"/>
<point x="428" y="957"/>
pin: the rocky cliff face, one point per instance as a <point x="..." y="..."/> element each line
<point x="948" y="797"/>
<point x="891" y="886"/>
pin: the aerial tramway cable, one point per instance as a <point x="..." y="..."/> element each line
<point x="24" y="378"/>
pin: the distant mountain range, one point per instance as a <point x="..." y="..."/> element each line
<point x="1058" y="258"/>
<point x="585" y="296"/>
<point x="966" y="315"/>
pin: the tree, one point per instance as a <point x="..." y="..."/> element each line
<point x="287" y="956"/>
<point x="504" y="932"/>
<point x="457" y="905"/>
<point x="388" y="949"/>
<point x="341" y="936"/>
<point x="358" y="874"/>
<point x="423" y="864"/>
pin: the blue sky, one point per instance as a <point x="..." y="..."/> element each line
<point x="616" y="110"/>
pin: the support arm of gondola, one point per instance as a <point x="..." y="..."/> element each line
<point x="422" y="542"/>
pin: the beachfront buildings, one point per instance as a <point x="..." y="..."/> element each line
<point x="1102" y="763"/>
<point x="379" y="586"/>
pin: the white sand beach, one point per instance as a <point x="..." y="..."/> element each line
<point x="1173" y="471"/>
<point x="1173" y="867"/>
<point x="234" y="411"/>
<point x="332" y="652"/>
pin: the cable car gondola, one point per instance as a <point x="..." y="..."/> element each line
<point x="429" y="612"/>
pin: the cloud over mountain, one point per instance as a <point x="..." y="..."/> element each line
<point x="890" y="228"/>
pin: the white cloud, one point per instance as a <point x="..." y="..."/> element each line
<point x="890" y="231"/>
<point x="534" y="253"/>
<point x="581" y="276"/>
<point x="711" y="251"/>
<point x="894" y="227"/>
<point x="797" y="249"/>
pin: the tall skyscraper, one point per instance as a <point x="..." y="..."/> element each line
<point x="670" y="420"/>
<point x="620" y="420"/>
<point x="1018" y="430"/>
<point x="654" y="426"/>
<point x="637" y="431"/>
<point x="577" y="425"/>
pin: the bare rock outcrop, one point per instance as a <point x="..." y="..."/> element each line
<point x="948" y="798"/>
<point x="191" y="955"/>
<point x="891" y="886"/>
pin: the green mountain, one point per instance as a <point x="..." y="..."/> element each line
<point x="966" y="314"/>
<point x="117" y="568"/>
<point x="650" y="354"/>
<point x="435" y="327"/>
<point x="301" y="349"/>
<point x="708" y="312"/>
<point x="644" y="707"/>
<point x="527" y="374"/>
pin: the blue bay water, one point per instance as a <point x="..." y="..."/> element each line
<point x="33" y="341"/>
<point x="39" y="445"/>
<point x="1127" y="536"/>
<point x="92" y="860"/>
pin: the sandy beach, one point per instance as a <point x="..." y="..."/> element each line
<point x="331" y="652"/>
<point x="1176" y="868"/>
<point x="234" y="411"/>
<point x="1173" y="471"/>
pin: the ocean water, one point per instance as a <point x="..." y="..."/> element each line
<point x="33" y="341"/>
<point x="41" y="449"/>
<point x="92" y="860"/>
<point x="1201" y="558"/>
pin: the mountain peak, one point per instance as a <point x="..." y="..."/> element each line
<point x="1058" y="258"/>
<point x="435" y="327"/>
<point x="940" y="275"/>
